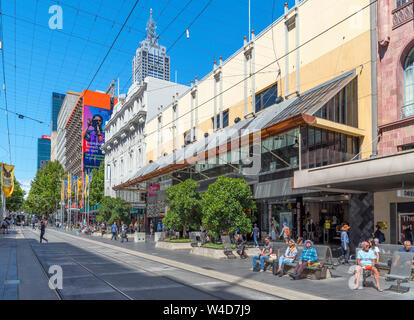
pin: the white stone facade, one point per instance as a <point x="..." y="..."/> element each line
<point x="125" y="132"/>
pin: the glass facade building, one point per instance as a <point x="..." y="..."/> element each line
<point x="57" y="100"/>
<point x="43" y="152"/>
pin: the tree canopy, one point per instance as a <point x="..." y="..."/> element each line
<point x="114" y="209"/>
<point x="44" y="194"/>
<point x="185" y="206"/>
<point x="97" y="185"/>
<point x="225" y="204"/>
<point x="15" y="202"/>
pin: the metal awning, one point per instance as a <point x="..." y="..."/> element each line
<point x="389" y="172"/>
<point x="280" y="117"/>
<point x="278" y="188"/>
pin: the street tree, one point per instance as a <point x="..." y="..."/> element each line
<point x="44" y="194"/>
<point x="114" y="209"/>
<point x="184" y="206"/>
<point x="15" y="202"/>
<point x="225" y="205"/>
<point x="97" y="185"/>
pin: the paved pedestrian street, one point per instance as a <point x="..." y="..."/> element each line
<point x="98" y="268"/>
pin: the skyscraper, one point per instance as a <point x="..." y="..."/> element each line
<point x="43" y="151"/>
<point x="151" y="59"/>
<point x="57" y="99"/>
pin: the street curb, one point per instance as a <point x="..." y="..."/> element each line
<point x="247" y="283"/>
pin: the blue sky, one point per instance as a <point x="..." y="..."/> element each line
<point x="39" y="60"/>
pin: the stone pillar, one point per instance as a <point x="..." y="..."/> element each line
<point x="361" y="218"/>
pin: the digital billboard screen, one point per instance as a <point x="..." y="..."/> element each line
<point x="93" y="136"/>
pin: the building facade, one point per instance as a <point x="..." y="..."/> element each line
<point x="84" y="134"/>
<point x="43" y="151"/>
<point x="151" y="58"/>
<point x="395" y="103"/>
<point x="308" y="104"/>
<point x="57" y="100"/>
<point x="59" y="148"/>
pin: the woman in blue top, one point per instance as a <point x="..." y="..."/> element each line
<point x="289" y="256"/>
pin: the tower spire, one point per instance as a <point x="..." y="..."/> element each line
<point x="151" y="28"/>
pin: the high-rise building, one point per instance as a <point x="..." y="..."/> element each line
<point x="67" y="106"/>
<point x="151" y="59"/>
<point x="57" y="99"/>
<point x="43" y="151"/>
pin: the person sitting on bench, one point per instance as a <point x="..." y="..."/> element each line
<point x="366" y="259"/>
<point x="263" y="256"/>
<point x="308" y="256"/>
<point x="289" y="256"/>
<point x="240" y="246"/>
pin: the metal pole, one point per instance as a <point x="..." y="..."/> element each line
<point x="249" y="22"/>
<point x="300" y="150"/>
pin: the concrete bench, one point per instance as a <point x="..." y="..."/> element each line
<point x="400" y="270"/>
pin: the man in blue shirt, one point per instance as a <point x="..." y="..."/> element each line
<point x="407" y="247"/>
<point x="309" y="255"/>
<point x="345" y="242"/>
<point x="255" y="234"/>
<point x="366" y="259"/>
<point x="114" y="229"/>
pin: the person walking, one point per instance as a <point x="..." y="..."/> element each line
<point x="151" y="228"/>
<point x="114" y="229"/>
<point x="345" y="242"/>
<point x="159" y="226"/>
<point x="124" y="229"/>
<point x="136" y="226"/>
<point x="255" y="234"/>
<point x="285" y="232"/>
<point x="42" y="232"/>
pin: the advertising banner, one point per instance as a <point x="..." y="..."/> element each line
<point x="93" y="136"/>
<point x="7" y="178"/>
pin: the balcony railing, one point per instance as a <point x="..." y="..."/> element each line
<point x="402" y="14"/>
<point x="407" y="111"/>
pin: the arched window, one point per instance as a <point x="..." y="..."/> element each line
<point x="408" y="109"/>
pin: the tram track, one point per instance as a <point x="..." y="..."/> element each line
<point x="112" y="286"/>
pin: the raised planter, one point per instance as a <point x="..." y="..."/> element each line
<point x="173" y="245"/>
<point x="218" y="253"/>
<point x="213" y="253"/>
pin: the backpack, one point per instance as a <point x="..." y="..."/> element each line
<point x="287" y="231"/>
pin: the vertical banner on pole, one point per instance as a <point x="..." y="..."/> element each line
<point x="7" y="173"/>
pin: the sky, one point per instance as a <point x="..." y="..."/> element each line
<point x="39" y="60"/>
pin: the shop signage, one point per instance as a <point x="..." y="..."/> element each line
<point x="405" y="193"/>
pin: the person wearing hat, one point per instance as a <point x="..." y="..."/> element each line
<point x="345" y="242"/>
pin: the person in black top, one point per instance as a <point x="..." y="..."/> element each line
<point x="408" y="234"/>
<point x="378" y="234"/>
<point x="42" y="232"/>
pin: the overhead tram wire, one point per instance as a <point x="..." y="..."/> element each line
<point x="175" y="18"/>
<point x="113" y="43"/>
<point x="188" y="27"/>
<point x="178" y="38"/>
<point x="4" y="83"/>
<point x="271" y="63"/>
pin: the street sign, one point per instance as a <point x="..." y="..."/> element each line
<point x="405" y="193"/>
